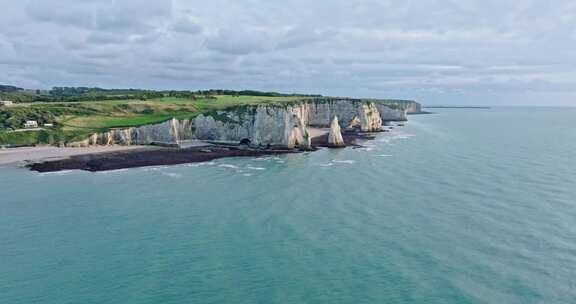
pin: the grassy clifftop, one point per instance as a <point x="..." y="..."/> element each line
<point x="76" y="120"/>
<point x="78" y="112"/>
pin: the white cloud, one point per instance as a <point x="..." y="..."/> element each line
<point x="423" y="49"/>
<point x="186" y="25"/>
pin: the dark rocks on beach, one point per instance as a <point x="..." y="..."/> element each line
<point x="152" y="157"/>
<point x="158" y="156"/>
<point x="351" y="139"/>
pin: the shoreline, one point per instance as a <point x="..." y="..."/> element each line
<point x="125" y="157"/>
<point x="18" y="157"/>
<point x="146" y="158"/>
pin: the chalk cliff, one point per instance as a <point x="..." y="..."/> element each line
<point x="414" y="108"/>
<point x="389" y="114"/>
<point x="349" y="112"/>
<point x="335" y="134"/>
<point x="284" y="126"/>
<point x="370" y="120"/>
<point x="260" y="125"/>
<point x="168" y="132"/>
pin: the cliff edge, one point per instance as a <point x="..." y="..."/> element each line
<point x="262" y="126"/>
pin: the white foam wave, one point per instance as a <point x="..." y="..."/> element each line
<point x="256" y="168"/>
<point x="345" y="161"/>
<point x="404" y="136"/>
<point x="57" y="173"/>
<point x="112" y="171"/>
<point x="228" y="166"/>
<point x="171" y="174"/>
<point x="156" y="168"/>
<point x="200" y="164"/>
<point x="266" y="158"/>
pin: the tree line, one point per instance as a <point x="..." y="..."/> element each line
<point x="81" y="94"/>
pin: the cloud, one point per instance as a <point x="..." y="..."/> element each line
<point x="61" y="12"/>
<point x="238" y="41"/>
<point x="299" y="37"/>
<point x="186" y="25"/>
<point x="464" y="51"/>
<point x="105" y="38"/>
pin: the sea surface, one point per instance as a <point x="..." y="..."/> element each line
<point x="463" y="206"/>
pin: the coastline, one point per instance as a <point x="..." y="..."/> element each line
<point x="146" y="157"/>
<point x="123" y="157"/>
<point x="14" y="157"/>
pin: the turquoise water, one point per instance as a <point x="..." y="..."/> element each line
<point x="466" y="206"/>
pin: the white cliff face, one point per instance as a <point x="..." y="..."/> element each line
<point x="370" y="120"/>
<point x="350" y="113"/>
<point x="389" y="114"/>
<point x="261" y="125"/>
<point x="284" y="126"/>
<point x="335" y="134"/>
<point x="354" y="124"/>
<point x="398" y="110"/>
<point x="414" y="108"/>
<point x="320" y="114"/>
<point x="227" y="131"/>
<point x="169" y="132"/>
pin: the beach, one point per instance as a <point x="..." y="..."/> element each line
<point x="22" y="156"/>
<point x="108" y="158"/>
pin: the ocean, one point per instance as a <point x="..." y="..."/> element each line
<point x="462" y="206"/>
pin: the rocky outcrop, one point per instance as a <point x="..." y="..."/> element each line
<point x="389" y="114"/>
<point x="169" y="132"/>
<point x="354" y="124"/>
<point x="260" y="125"/>
<point x="349" y="112"/>
<point x="264" y="125"/>
<point x="370" y="120"/>
<point x="335" y="135"/>
<point x="414" y="108"/>
<point x="284" y="126"/>
<point x="399" y="108"/>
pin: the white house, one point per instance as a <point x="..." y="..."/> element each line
<point x="31" y="124"/>
<point x="6" y="102"/>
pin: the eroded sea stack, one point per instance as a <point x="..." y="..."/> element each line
<point x="266" y="125"/>
<point x="335" y="138"/>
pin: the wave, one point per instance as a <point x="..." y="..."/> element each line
<point x="155" y="168"/>
<point x="200" y="164"/>
<point x="112" y="171"/>
<point x="255" y="168"/>
<point x="57" y="173"/>
<point x="345" y="161"/>
<point x="267" y="158"/>
<point x="228" y="166"/>
<point x="171" y="174"/>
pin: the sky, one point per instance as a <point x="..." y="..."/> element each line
<point x="466" y="52"/>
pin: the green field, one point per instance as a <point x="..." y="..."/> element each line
<point x="79" y="112"/>
<point x="76" y="120"/>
